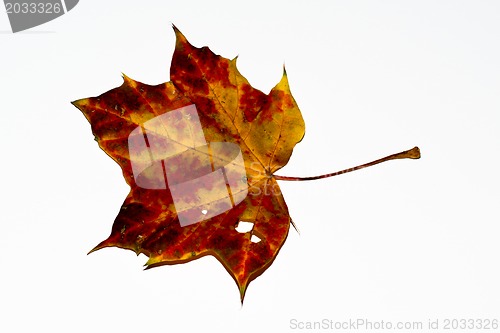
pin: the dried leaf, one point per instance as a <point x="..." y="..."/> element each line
<point x="200" y="154"/>
<point x="246" y="137"/>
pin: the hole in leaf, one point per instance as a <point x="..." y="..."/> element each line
<point x="244" y="226"/>
<point x="204" y="212"/>
<point x="254" y="239"/>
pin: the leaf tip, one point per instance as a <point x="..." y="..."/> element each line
<point x="74" y="103"/>
<point x="126" y="78"/>
<point x="178" y="34"/>
<point x="243" y="289"/>
<point x="102" y="245"/>
<point x="295" y="226"/>
<point x="283" y="84"/>
<point x="78" y="103"/>
<point x="98" y="247"/>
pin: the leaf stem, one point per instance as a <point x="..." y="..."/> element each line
<point x="413" y="153"/>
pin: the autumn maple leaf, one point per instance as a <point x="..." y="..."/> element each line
<point x="165" y="137"/>
<point x="265" y="128"/>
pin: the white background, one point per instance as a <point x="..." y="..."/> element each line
<point x="406" y="240"/>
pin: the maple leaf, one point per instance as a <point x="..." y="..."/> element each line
<point x="264" y="127"/>
<point x="200" y="154"/>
